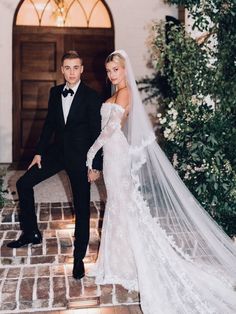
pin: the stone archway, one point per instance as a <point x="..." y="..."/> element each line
<point x="37" y="49"/>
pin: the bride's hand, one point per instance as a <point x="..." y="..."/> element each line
<point x="93" y="175"/>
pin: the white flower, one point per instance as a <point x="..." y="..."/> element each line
<point x="198" y="169"/>
<point x="186" y="176"/>
<point x="159" y="115"/>
<point x="172" y="112"/>
<point x="194" y="99"/>
<point x="172" y="124"/>
<point x="175" y="160"/>
<point x="175" y="113"/>
<point x="167" y="132"/>
<point x="171" y="137"/>
<point x="163" y="120"/>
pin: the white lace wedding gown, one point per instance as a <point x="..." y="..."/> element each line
<point x="136" y="252"/>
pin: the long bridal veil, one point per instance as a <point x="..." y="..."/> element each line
<point x="190" y="230"/>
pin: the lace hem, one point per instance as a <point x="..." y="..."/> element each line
<point x="155" y="227"/>
<point x="190" y="294"/>
<point x="130" y="285"/>
<point x="138" y="155"/>
<point x="153" y="223"/>
<point x="101" y="279"/>
<point x="133" y="150"/>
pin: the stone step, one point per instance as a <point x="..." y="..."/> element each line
<point x="51" y="287"/>
<point x="38" y="278"/>
<point x="51" y="216"/>
<point x="56" y="247"/>
<point x="57" y="232"/>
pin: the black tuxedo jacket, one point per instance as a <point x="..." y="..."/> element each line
<point x="72" y="140"/>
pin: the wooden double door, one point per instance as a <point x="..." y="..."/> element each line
<point x="37" y="55"/>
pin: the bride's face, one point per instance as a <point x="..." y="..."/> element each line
<point x="115" y="72"/>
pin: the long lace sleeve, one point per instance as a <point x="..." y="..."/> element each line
<point x="113" y="123"/>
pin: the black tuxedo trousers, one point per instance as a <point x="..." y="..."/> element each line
<point x="67" y="152"/>
<point x="81" y="198"/>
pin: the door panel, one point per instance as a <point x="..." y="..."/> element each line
<point x="35" y="72"/>
<point x="30" y="131"/>
<point x="35" y="94"/>
<point x="38" y="56"/>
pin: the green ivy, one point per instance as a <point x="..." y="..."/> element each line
<point x="196" y="145"/>
<point x="195" y="82"/>
<point x="1" y="193"/>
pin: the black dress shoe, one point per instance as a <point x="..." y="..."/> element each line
<point x="25" y="239"/>
<point x="78" y="269"/>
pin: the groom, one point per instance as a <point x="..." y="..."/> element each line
<point x="73" y="120"/>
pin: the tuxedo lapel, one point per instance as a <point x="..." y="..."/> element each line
<point x="60" y="111"/>
<point x="76" y="100"/>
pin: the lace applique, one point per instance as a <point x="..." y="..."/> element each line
<point x="112" y="114"/>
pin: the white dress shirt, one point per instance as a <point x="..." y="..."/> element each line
<point x="67" y="101"/>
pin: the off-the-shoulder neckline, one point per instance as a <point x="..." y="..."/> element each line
<point x="114" y="104"/>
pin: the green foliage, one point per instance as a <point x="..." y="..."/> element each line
<point x="217" y="18"/>
<point x="1" y="193"/>
<point x="208" y="14"/>
<point x="199" y="100"/>
<point x="186" y="68"/>
<point x="196" y="145"/>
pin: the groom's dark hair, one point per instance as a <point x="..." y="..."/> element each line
<point x="71" y="54"/>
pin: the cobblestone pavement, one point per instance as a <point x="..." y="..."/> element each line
<point x="38" y="278"/>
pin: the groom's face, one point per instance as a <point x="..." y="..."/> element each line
<point x="72" y="70"/>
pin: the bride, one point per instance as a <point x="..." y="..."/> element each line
<point x="156" y="237"/>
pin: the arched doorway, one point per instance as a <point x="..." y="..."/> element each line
<point x="42" y="31"/>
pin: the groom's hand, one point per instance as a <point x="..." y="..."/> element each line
<point x="36" y="161"/>
<point x="93" y="175"/>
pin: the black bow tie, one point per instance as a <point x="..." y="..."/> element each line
<point x="66" y="91"/>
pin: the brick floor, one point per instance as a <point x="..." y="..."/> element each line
<point x="38" y="278"/>
<point x="129" y="309"/>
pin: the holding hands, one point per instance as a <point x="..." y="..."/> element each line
<point x="93" y="175"/>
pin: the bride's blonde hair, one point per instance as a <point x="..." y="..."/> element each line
<point x="117" y="58"/>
